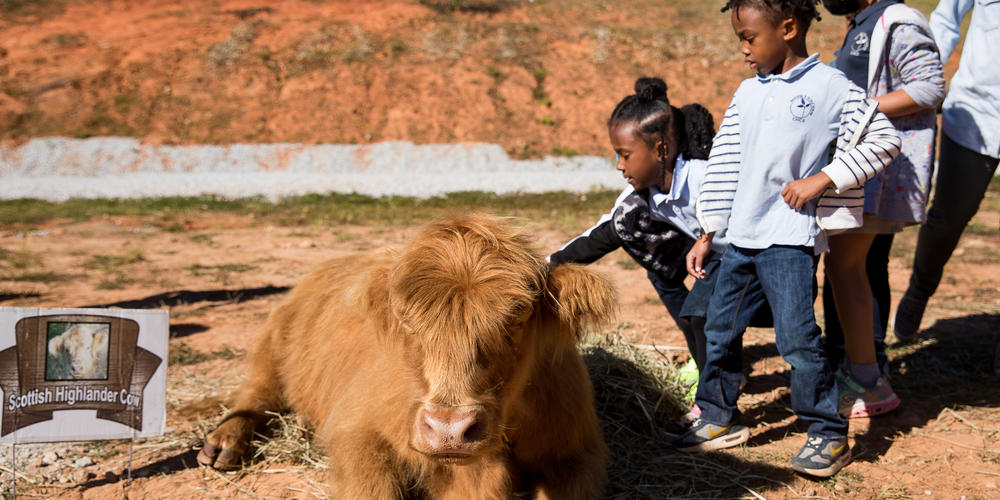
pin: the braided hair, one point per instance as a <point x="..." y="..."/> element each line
<point x="690" y="127"/>
<point x="804" y="11"/>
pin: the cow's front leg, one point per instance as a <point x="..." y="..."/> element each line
<point x="225" y="446"/>
<point x="582" y="477"/>
<point x="486" y="480"/>
<point x="366" y="467"/>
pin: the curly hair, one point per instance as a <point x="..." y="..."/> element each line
<point x="692" y="126"/>
<point x="804" y="11"/>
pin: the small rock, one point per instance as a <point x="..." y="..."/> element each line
<point x="62" y="478"/>
<point x="37" y="462"/>
<point x="810" y="492"/>
<point x="83" y="462"/>
<point x="50" y="457"/>
<point x="928" y="492"/>
<point x="307" y="244"/>
<point x="839" y="487"/>
<point x="81" y="476"/>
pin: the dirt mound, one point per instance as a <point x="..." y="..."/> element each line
<point x="538" y="78"/>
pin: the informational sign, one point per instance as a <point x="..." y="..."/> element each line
<point x="82" y="374"/>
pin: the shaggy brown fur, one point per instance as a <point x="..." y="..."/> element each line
<point x="446" y="370"/>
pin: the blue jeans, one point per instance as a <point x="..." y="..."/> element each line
<point x="785" y="278"/>
<point x="962" y="180"/>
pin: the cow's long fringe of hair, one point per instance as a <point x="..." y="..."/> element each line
<point x="463" y="282"/>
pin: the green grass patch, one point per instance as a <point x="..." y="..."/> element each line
<point x="183" y="354"/>
<point x="29" y="10"/>
<point x="562" y="210"/>
<point x="133" y="256"/>
<point x="23" y="265"/>
<point x="468" y="5"/>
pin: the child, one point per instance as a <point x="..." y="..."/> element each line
<point x="888" y="50"/>
<point x="768" y="163"/>
<point x="661" y="153"/>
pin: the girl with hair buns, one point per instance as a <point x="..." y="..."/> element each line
<point x="662" y="152"/>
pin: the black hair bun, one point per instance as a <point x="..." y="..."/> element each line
<point x="651" y="89"/>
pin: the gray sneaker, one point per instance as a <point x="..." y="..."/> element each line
<point x="909" y="312"/>
<point x="822" y="457"/>
<point x="703" y="436"/>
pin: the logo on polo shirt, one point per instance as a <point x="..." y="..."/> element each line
<point x="860" y="45"/>
<point x="802" y="107"/>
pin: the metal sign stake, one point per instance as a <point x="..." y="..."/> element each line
<point x="13" y="469"/>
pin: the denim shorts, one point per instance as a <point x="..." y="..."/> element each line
<point x="697" y="300"/>
<point x="696" y="303"/>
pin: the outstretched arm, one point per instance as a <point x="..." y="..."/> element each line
<point x="593" y="243"/>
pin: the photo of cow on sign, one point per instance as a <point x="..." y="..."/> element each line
<point x="77" y="351"/>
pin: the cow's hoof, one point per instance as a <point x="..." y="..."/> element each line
<point x="224" y="447"/>
<point x="220" y="458"/>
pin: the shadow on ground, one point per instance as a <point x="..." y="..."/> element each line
<point x="167" y="465"/>
<point x="951" y="366"/>
<point x="4" y="296"/>
<point x="180" y="297"/>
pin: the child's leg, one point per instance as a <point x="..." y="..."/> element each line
<point x="786" y="275"/>
<point x="853" y="295"/>
<point x="877" y="266"/>
<point x="831" y="322"/>
<point x="877" y="269"/>
<point x="673" y="294"/>
<point x="695" y="309"/>
<point x="734" y="300"/>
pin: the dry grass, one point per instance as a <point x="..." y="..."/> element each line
<point x="638" y="400"/>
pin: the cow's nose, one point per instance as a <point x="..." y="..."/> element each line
<point x="452" y="429"/>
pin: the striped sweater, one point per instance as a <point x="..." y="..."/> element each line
<point x="865" y="144"/>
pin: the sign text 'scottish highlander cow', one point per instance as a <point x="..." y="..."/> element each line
<point x="448" y="369"/>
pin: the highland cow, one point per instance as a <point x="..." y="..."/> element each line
<point x="447" y="369"/>
<point x="84" y="349"/>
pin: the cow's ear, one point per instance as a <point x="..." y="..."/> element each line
<point x="375" y="300"/>
<point x="580" y="297"/>
<point x="55" y="344"/>
<point x="101" y="338"/>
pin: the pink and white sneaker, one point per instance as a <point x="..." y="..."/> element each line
<point x="858" y="402"/>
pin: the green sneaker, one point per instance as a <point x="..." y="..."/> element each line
<point x="688" y="374"/>
<point x="703" y="436"/>
<point x="691" y="393"/>
<point x="822" y="457"/>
